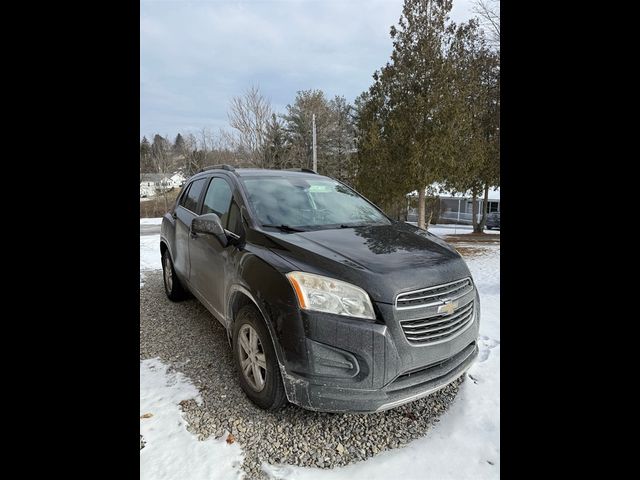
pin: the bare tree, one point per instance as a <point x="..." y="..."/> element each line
<point x="221" y="148"/>
<point x="206" y="141"/>
<point x="489" y="12"/>
<point x="193" y="157"/>
<point x="162" y="162"/>
<point x="249" y="115"/>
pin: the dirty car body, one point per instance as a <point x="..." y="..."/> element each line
<point x="363" y="316"/>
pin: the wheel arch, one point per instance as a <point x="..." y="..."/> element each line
<point x="238" y="298"/>
<point x="164" y="247"/>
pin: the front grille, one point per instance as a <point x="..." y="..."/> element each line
<point x="440" y="328"/>
<point x="437" y="295"/>
<point x="432" y="371"/>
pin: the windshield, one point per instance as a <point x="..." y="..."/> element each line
<point x="308" y="202"/>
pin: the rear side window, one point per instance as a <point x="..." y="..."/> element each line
<point x="218" y="199"/>
<point x="190" y="199"/>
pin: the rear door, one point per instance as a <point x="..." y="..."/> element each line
<point x="185" y="213"/>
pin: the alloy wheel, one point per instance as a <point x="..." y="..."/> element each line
<point x="252" y="358"/>
<point x="168" y="273"/>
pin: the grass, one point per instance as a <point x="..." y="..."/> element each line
<point x="474" y="238"/>
<point x="470" y="244"/>
<point x="155" y="206"/>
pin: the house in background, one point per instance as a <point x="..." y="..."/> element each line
<point x="458" y="208"/>
<point x="153" y="183"/>
<point x="455" y="207"/>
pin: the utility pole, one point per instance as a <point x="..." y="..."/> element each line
<point x="315" y="156"/>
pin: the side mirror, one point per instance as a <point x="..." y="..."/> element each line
<point x="210" y="224"/>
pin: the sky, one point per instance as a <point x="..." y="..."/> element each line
<point x="195" y="55"/>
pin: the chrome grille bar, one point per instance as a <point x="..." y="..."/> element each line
<point x="444" y="333"/>
<point x="446" y="322"/>
<point x="435" y="295"/>
<point x="449" y="329"/>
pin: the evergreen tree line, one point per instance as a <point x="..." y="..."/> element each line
<point x="431" y="116"/>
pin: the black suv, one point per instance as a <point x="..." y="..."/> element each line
<point x="327" y="302"/>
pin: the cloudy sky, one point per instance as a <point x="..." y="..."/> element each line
<point x="196" y="55"/>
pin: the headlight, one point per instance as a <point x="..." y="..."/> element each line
<point x="324" y="294"/>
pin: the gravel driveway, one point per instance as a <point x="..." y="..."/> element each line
<point x="186" y="336"/>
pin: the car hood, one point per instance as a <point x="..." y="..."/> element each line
<point x="383" y="260"/>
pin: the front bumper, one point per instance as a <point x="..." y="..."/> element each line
<point x="365" y="366"/>
<point x="405" y="388"/>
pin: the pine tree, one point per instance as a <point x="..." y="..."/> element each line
<point x="477" y="94"/>
<point x="276" y="144"/>
<point x="146" y="165"/>
<point x="298" y="124"/>
<point x="408" y="124"/>
<point x="179" y="145"/>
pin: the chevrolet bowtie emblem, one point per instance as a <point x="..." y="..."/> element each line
<point x="449" y="307"/>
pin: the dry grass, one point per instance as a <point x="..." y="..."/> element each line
<point x="473" y="244"/>
<point x="473" y="238"/>
<point x="470" y="251"/>
<point x="155" y="207"/>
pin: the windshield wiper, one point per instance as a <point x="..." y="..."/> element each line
<point x="284" y="228"/>
<point x="356" y="225"/>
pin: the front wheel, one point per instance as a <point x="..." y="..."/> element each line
<point x="172" y="286"/>
<point x="256" y="361"/>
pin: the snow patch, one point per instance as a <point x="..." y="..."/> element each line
<point x="151" y="221"/>
<point x="171" y="452"/>
<point x="150" y="253"/>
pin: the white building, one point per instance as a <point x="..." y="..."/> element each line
<point x="457" y="207"/>
<point x="153" y="183"/>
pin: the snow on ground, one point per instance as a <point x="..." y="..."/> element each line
<point x="465" y="443"/>
<point x="149" y="254"/>
<point x="441" y="230"/>
<point x="151" y="221"/>
<point x="171" y="452"/>
<point x="446" y="229"/>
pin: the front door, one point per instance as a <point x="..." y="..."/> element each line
<point x="209" y="259"/>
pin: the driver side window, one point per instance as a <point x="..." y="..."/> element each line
<point x="218" y="199"/>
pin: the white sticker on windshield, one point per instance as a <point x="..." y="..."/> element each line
<point x="320" y="188"/>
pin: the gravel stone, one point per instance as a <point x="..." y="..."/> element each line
<point x="187" y="337"/>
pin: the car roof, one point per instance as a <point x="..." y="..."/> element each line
<point x="258" y="172"/>
<point x="265" y="172"/>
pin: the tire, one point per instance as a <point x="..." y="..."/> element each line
<point x="267" y="392"/>
<point x="172" y="286"/>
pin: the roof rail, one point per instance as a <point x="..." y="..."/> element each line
<point x="223" y="166"/>
<point x="307" y="170"/>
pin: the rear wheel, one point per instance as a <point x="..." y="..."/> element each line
<point x="256" y="362"/>
<point x="172" y="286"/>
